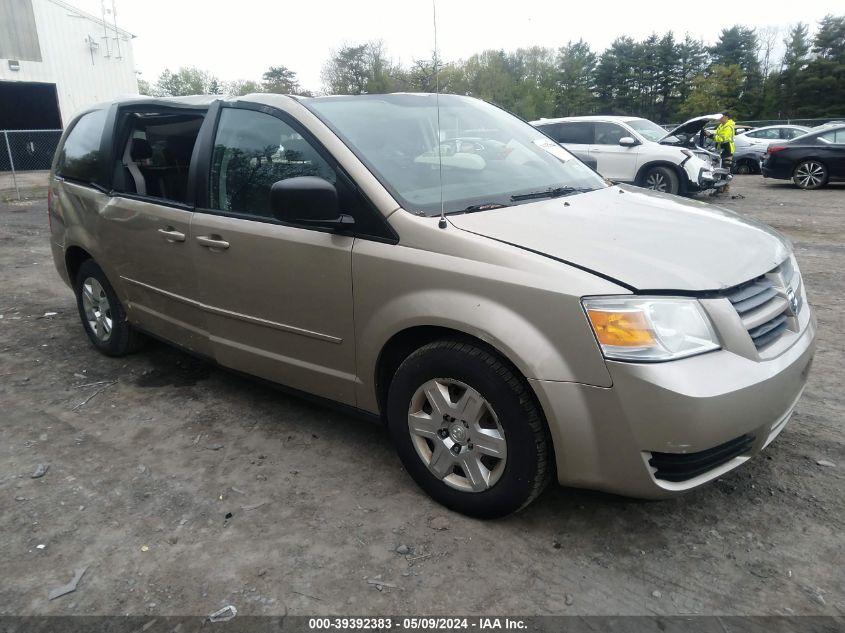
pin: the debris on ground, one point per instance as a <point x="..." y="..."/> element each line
<point x="93" y="395"/>
<point x="40" y="471"/>
<point x="223" y="615"/>
<point x="826" y="463"/>
<point x="656" y="594"/>
<point x="40" y="546"/>
<point x="49" y="314"/>
<point x="403" y="549"/>
<point x="379" y="584"/>
<point x="214" y="447"/>
<point x="439" y="523"/>
<point x="568" y="599"/>
<point x="58" y="592"/>
<point x="145" y="548"/>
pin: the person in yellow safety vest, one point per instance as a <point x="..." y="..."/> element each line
<point x="724" y="139"/>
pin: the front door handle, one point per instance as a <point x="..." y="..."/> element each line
<point x="172" y="235"/>
<point x="212" y="241"/>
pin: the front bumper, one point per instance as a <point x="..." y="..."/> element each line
<point x="707" y="179"/>
<point x="604" y="438"/>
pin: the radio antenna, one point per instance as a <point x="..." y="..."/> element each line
<point x="442" y="223"/>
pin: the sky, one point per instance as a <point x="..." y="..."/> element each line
<point x="241" y="39"/>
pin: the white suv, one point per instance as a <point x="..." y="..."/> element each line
<point x="638" y="151"/>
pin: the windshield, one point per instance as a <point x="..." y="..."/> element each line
<point x="648" y="129"/>
<point x="487" y="155"/>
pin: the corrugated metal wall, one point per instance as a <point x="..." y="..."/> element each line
<point x="84" y="74"/>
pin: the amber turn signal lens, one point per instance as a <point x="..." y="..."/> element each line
<point x="621" y="329"/>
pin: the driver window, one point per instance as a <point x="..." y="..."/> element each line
<point x="609" y="133"/>
<point x="253" y="150"/>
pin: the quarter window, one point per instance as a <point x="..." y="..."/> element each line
<point x="81" y="158"/>
<point x="253" y="150"/>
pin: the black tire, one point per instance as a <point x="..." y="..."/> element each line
<point x="662" y="179"/>
<point x="123" y="338"/>
<point x="810" y="174"/>
<point x="743" y="169"/>
<point x="528" y="466"/>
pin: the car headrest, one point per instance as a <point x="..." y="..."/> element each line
<point x="140" y="149"/>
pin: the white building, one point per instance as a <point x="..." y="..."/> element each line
<point x="56" y="60"/>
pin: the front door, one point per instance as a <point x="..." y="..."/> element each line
<point x="613" y="161"/>
<point x="278" y="298"/>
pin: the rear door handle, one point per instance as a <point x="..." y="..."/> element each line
<point x="212" y="241"/>
<point x="172" y="235"/>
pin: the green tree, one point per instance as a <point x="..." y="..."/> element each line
<point x="280" y="80"/>
<point x="821" y="84"/>
<point x="185" y="81"/>
<point x="360" y="69"/>
<point x="576" y="67"/>
<point x="717" y="90"/>
<point x="795" y="57"/>
<point x="241" y="87"/>
<point x="144" y="87"/>
<point x="615" y="78"/>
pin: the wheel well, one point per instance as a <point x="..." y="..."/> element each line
<point x="74" y="258"/>
<point x="404" y="343"/>
<point x="679" y="172"/>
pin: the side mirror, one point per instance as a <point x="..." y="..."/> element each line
<point x="628" y="141"/>
<point x="308" y="201"/>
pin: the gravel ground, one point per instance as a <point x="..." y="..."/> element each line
<point x="183" y="488"/>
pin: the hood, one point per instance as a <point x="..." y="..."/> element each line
<point x="638" y="238"/>
<point x="693" y="126"/>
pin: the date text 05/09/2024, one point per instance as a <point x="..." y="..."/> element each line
<point x="416" y="624"/>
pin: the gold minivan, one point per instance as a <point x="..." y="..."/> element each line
<point x="438" y="264"/>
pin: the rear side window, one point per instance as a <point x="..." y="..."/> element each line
<point x="252" y="151"/>
<point x="576" y="133"/>
<point x="81" y="158"/>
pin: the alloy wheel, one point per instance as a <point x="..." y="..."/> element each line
<point x="656" y="181"/>
<point x="95" y="304"/>
<point x="810" y="174"/>
<point x="457" y="435"/>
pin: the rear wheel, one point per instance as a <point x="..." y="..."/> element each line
<point x="810" y="174"/>
<point x="102" y="314"/>
<point x="661" y="179"/>
<point x="743" y="168"/>
<point x="468" y="430"/>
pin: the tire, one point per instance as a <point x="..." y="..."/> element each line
<point x="662" y="179"/>
<point x="102" y="314"/>
<point x="810" y="174"/>
<point x="743" y="169"/>
<point x="501" y="415"/>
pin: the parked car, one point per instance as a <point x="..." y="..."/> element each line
<point x="748" y="160"/>
<point x="762" y="137"/>
<point x="640" y="152"/>
<point x="511" y="320"/>
<point x="810" y="161"/>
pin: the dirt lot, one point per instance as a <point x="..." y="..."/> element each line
<point x="184" y="488"/>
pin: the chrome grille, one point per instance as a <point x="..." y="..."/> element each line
<point x="763" y="304"/>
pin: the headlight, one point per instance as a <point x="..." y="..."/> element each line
<point x="650" y="328"/>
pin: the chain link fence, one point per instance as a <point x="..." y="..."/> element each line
<point x="25" y="157"/>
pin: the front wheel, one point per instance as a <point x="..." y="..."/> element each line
<point x="468" y="430"/>
<point x="742" y="169"/>
<point x="810" y="174"/>
<point x="661" y="179"/>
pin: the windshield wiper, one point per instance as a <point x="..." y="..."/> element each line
<point x="473" y="208"/>
<point x="552" y="192"/>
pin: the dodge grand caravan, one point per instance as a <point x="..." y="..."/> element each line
<point x="508" y="313"/>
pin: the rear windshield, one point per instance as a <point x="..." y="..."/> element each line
<point x="80" y="157"/>
<point x="482" y="154"/>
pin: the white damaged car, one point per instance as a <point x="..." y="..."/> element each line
<point x="640" y="152"/>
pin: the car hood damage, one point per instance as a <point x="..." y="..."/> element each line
<point x="690" y="128"/>
<point x="640" y="239"/>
